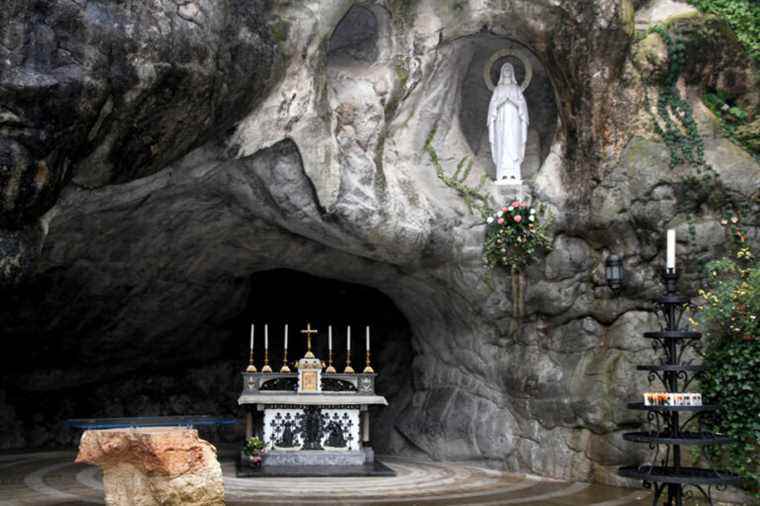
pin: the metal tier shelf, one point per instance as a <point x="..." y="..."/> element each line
<point x="669" y="479"/>
<point x="675" y="299"/>
<point x="681" y="476"/>
<point x="641" y="407"/>
<point x="673" y="334"/>
<point x="683" y="438"/>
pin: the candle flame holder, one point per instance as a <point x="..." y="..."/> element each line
<point x="266" y="367"/>
<point x="251" y="367"/>
<point x="368" y="368"/>
<point x="330" y="367"/>
<point x="348" y="369"/>
<point x="285" y="367"/>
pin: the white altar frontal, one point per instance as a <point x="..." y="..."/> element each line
<point x="314" y="421"/>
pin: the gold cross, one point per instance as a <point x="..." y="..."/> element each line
<point x="309" y="331"/>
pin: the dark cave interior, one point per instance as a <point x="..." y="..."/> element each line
<point x="206" y="381"/>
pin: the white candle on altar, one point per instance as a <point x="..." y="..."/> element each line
<point x="286" y="336"/>
<point x="348" y="339"/>
<point x="367" y="337"/>
<point x="329" y="337"/>
<point x="251" y="336"/>
<point x="670" y="262"/>
<point x="266" y="336"/>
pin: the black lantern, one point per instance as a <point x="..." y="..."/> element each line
<point x="614" y="272"/>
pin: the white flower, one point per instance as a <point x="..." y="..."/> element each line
<point x="510" y="208"/>
<point x="500" y="214"/>
<point x="532" y="218"/>
<point x="489" y="220"/>
<point x="532" y="211"/>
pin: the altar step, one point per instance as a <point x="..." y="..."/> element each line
<point x="314" y="458"/>
<point x="376" y="468"/>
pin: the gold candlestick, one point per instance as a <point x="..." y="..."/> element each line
<point x="251" y="367"/>
<point x="266" y="367"/>
<point x="330" y="367"/>
<point x="285" y="367"/>
<point x="348" y="369"/>
<point x="368" y="368"/>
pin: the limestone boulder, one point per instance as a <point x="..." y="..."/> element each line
<point x="156" y="466"/>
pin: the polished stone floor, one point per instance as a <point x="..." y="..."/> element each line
<point x="53" y="479"/>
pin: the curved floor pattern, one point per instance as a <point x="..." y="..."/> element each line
<point x="44" y="479"/>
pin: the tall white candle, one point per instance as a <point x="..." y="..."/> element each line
<point x="251" y="336"/>
<point x="348" y="339"/>
<point x="329" y="337"/>
<point x="367" y="337"/>
<point x="670" y="262"/>
<point x="286" y="336"/>
<point x="266" y="336"/>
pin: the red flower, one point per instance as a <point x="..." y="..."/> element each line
<point x="504" y="209"/>
<point x="518" y="218"/>
<point x="516" y="203"/>
<point x="500" y="221"/>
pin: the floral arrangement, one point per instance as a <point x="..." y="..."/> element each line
<point x="254" y="448"/>
<point x="514" y="235"/>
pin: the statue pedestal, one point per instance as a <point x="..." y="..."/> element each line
<point x="508" y="182"/>
<point x="508" y="192"/>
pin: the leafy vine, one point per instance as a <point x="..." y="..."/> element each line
<point x="674" y="122"/>
<point x="473" y="196"/>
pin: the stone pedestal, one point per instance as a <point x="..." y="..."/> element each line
<point x="154" y="466"/>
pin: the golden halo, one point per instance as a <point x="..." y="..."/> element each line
<point x="501" y="53"/>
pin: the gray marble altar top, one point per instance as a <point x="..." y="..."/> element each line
<point x="340" y="398"/>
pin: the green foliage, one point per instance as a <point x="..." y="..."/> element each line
<point x="514" y="236"/>
<point x="730" y="320"/>
<point x="674" y="123"/>
<point x="732" y="118"/>
<point x="473" y="197"/>
<point x="743" y="16"/>
<point x="253" y="446"/>
<point x="675" y="119"/>
<point x="280" y="30"/>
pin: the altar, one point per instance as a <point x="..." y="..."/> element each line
<point x="314" y="421"/>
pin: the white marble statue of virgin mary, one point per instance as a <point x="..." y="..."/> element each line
<point x="508" y="127"/>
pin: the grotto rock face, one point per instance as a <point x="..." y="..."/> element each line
<point x="118" y="91"/>
<point x="222" y="139"/>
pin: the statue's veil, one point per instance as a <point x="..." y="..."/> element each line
<point x="507" y="74"/>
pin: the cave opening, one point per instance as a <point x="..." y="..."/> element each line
<point x="283" y="296"/>
<point x="208" y="380"/>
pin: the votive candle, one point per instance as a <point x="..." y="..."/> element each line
<point x="670" y="262"/>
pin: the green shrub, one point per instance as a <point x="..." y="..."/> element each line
<point x="742" y="15"/>
<point x="730" y="321"/>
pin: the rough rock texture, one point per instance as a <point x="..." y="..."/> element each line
<point x="157" y="466"/>
<point x="283" y="138"/>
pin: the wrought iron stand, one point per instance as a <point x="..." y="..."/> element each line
<point x="666" y="426"/>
